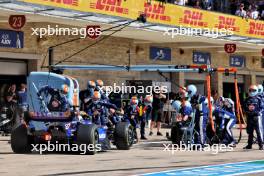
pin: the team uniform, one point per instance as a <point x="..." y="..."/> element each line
<point x="56" y="100"/>
<point x="98" y="110"/>
<point x="253" y="107"/>
<point x="227" y="120"/>
<point x="86" y="95"/>
<point x="261" y="96"/>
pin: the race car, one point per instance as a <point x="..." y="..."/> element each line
<point x="54" y="116"/>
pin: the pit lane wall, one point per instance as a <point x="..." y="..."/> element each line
<point x="167" y="14"/>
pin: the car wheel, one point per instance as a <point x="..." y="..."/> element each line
<point x="20" y="142"/>
<point x="124" y="136"/>
<point x="88" y="135"/>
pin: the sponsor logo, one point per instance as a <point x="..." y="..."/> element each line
<point x="5" y="39"/>
<point x="156" y="12"/>
<point x="109" y="5"/>
<point x="256" y="28"/>
<point x="227" y="23"/>
<point x="194" y="18"/>
<point x="64" y="2"/>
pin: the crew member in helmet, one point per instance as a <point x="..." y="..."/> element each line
<point x="100" y="88"/>
<point x="132" y="114"/>
<point x="193" y="95"/>
<point x="97" y="110"/>
<point x="227" y="117"/>
<point x="56" y="99"/>
<point x="261" y="96"/>
<point x="86" y="95"/>
<point x="253" y="108"/>
<point x="200" y="107"/>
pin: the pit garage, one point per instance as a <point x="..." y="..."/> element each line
<point x="14" y="68"/>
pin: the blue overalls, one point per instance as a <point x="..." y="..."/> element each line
<point x="253" y="107"/>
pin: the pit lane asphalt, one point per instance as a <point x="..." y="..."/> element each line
<point x="144" y="157"/>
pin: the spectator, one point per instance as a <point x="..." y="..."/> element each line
<point x="241" y="12"/>
<point x="197" y="5"/>
<point x="253" y="13"/>
<point x="22" y="101"/>
<point x="262" y="15"/>
<point x="207" y="4"/>
<point x="181" y="2"/>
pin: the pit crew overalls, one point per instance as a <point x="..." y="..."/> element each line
<point x="226" y="116"/>
<point x="261" y="96"/>
<point x="201" y="120"/>
<point x="101" y="107"/>
<point x="51" y="95"/>
<point x="253" y="108"/>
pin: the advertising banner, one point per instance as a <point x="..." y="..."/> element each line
<point x="11" y="39"/>
<point x="167" y="14"/>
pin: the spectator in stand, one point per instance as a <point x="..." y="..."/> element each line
<point x="197" y="5"/>
<point x="241" y="12"/>
<point x="181" y="2"/>
<point x="253" y="13"/>
<point x="262" y="15"/>
<point x="207" y="4"/>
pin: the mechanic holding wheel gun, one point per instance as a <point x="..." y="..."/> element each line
<point x="97" y="110"/>
<point x="253" y="108"/>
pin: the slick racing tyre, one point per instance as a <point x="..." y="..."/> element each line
<point x="88" y="135"/>
<point x="20" y="141"/>
<point x="124" y="135"/>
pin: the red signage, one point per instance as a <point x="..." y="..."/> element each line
<point x="194" y="18"/>
<point x="17" y="21"/>
<point x="156" y="12"/>
<point x="227" y="23"/>
<point x="109" y="5"/>
<point x="230" y="48"/>
<point x="93" y="32"/>
<point x="256" y="28"/>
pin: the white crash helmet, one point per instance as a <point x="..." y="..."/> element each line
<point x="192" y="90"/>
<point x="211" y="100"/>
<point x="253" y="91"/>
<point x="176" y="105"/>
<point x="260" y="89"/>
<point x="229" y="102"/>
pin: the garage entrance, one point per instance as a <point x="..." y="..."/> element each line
<point x="11" y="72"/>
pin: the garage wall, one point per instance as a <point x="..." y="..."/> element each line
<point x="11" y="67"/>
